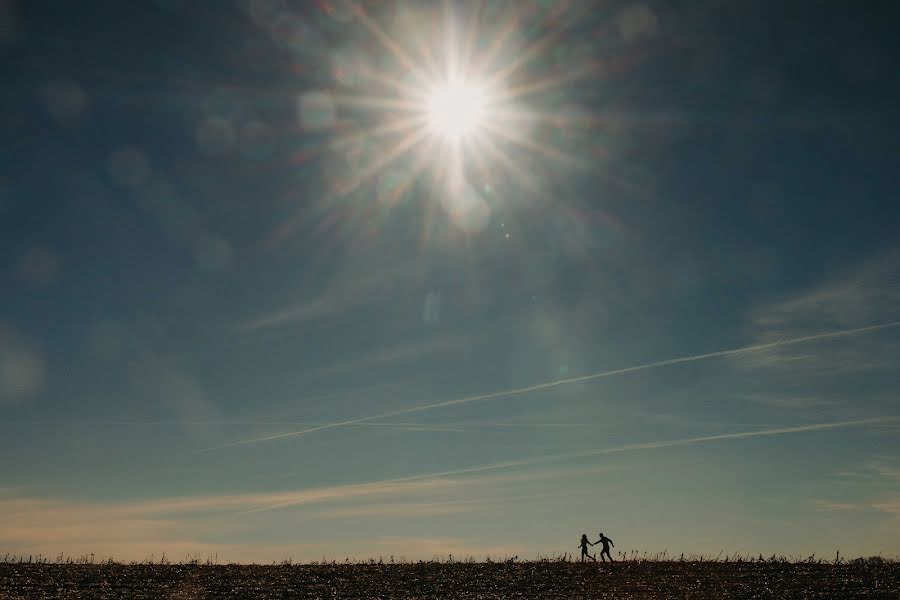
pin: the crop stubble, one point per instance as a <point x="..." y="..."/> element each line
<point x="482" y="581"/>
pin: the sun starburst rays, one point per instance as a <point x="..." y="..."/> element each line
<point x="458" y="99"/>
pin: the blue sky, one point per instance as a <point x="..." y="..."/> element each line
<point x="253" y="306"/>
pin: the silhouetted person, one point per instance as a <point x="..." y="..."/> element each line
<point x="584" y="551"/>
<point x="606" y="542"/>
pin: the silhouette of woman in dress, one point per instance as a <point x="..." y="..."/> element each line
<point x="584" y="548"/>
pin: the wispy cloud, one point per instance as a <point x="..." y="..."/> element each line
<point x="652" y="445"/>
<point x="179" y="525"/>
<point x="182" y="526"/>
<point x="723" y="436"/>
<point x="829" y="506"/>
<point x="567" y="381"/>
<point x="78" y="530"/>
<point x="258" y="502"/>
<point x="787" y="402"/>
<point x="176" y="526"/>
<point x="875" y="471"/>
<point x="41" y="517"/>
<point x="874" y="485"/>
<point x="869" y="292"/>
<point x="406" y="352"/>
<point x="408" y="510"/>
<point x="890" y="507"/>
<point x="467" y="427"/>
<point x="342" y="294"/>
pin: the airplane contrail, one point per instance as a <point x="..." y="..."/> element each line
<point x="546" y="458"/>
<point x="559" y="382"/>
<point x="653" y="445"/>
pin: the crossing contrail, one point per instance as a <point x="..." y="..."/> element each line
<point x="549" y="458"/>
<point x="559" y="382"/>
<point x="653" y="445"/>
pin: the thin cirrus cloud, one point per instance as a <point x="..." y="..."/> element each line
<point x="257" y="502"/>
<point x="786" y="402"/>
<point x="403" y="487"/>
<point x="179" y="525"/>
<point x="248" y="503"/>
<point x="566" y="381"/>
<point x="471" y="427"/>
<point x="152" y="539"/>
<point x="868" y="292"/>
<point x="776" y="431"/>
<point x="450" y="507"/>
<point x="892" y="507"/>
<point x="114" y="528"/>
<point x="652" y="445"/>
<point x="403" y="353"/>
<point x="829" y="507"/>
<point x="344" y="294"/>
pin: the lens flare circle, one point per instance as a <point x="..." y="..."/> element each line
<point x="456" y="109"/>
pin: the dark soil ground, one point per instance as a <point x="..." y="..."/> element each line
<point x="637" y="579"/>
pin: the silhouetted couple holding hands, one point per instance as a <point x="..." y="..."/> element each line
<point x="605" y="551"/>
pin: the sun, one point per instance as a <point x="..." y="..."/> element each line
<point x="461" y="103"/>
<point x="456" y="109"/>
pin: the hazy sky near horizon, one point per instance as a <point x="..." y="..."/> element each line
<point x="252" y="306"/>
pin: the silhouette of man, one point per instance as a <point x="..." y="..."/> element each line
<point x="584" y="550"/>
<point x="606" y="542"/>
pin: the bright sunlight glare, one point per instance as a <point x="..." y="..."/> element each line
<point x="456" y="109"/>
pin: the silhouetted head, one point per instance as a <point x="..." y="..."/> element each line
<point x="601" y="534"/>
